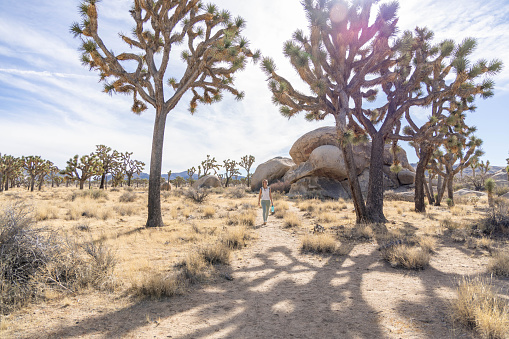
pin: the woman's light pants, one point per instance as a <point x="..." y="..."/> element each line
<point x="266" y="208"/>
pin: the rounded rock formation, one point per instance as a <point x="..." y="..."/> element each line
<point x="271" y="170"/>
<point x="207" y="181"/>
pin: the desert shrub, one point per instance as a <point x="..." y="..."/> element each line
<point x="428" y="244"/>
<point x="91" y="194"/>
<point x="246" y="218"/>
<point x="236" y="237"/>
<point x="33" y="260"/>
<point x="501" y="190"/>
<point x="479" y="307"/>
<point x="279" y="213"/>
<point x="158" y="285"/>
<point x="218" y="253"/>
<point x="125" y="210"/>
<point x="449" y="202"/>
<point x="319" y="243"/>
<point x="450" y="225"/>
<point x="404" y="256"/>
<point x="209" y="211"/>
<point x="499" y="264"/>
<point x="291" y="220"/>
<point x="195" y="267"/>
<point x="198" y="195"/>
<point x="127" y="197"/>
<point x="496" y="222"/>
<point x="236" y="193"/>
<point x="282" y="187"/>
<point x="327" y="217"/>
<point x="46" y="212"/>
<point x="307" y="205"/>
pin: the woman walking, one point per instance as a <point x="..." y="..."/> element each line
<point x="265" y="197"/>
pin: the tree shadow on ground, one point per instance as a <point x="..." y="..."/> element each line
<point x="280" y="293"/>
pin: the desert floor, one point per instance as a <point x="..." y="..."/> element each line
<point x="274" y="290"/>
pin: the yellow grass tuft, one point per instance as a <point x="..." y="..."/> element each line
<point x="236" y="237"/>
<point x="479" y="307"/>
<point x="406" y="257"/>
<point x="209" y="212"/>
<point x="319" y="243"/>
<point x="499" y="264"/>
<point x="291" y="220"/>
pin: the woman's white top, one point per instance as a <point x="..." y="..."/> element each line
<point x="265" y="193"/>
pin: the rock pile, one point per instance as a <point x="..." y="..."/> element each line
<point x="317" y="167"/>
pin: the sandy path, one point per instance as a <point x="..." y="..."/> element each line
<point x="277" y="292"/>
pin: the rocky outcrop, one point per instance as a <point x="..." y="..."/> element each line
<point x="207" y="181"/>
<point x="406" y="177"/>
<point x="272" y="170"/>
<point x="464" y="191"/>
<point x="318" y="167"/>
<point x="165" y="186"/>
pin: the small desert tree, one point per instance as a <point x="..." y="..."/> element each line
<point x="81" y="169"/>
<point x="34" y="166"/>
<point x="190" y="172"/>
<point x="208" y="165"/>
<point x="490" y="187"/>
<point x="108" y="159"/>
<point x="230" y="169"/>
<point x="132" y="166"/>
<point x="246" y="162"/>
<point x="215" y="52"/>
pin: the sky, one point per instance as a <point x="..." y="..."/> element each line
<point x="52" y="106"/>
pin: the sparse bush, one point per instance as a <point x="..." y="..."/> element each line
<point x="91" y="194"/>
<point x="450" y="225"/>
<point x="33" y="260"/>
<point x="46" y="213"/>
<point x="218" y="253"/>
<point x="127" y="197"/>
<point x="291" y="220"/>
<point x="496" y="221"/>
<point x="499" y="264"/>
<point x="195" y="268"/>
<point x="197" y="196"/>
<point x="209" y="211"/>
<point x="124" y="210"/>
<point x="158" y="285"/>
<point x="479" y="307"/>
<point x="406" y="257"/>
<point x="236" y="193"/>
<point x="319" y="243"/>
<point x="501" y="190"/>
<point x="428" y="244"/>
<point x="236" y="237"/>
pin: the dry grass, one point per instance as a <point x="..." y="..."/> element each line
<point x="209" y="212"/>
<point x="428" y="244"/>
<point x="479" y="307"/>
<point x="327" y="217"/>
<point x="319" y="243"/>
<point x="499" y="264"/>
<point x="218" y="253"/>
<point x="235" y="237"/>
<point x="291" y="220"/>
<point x="406" y="257"/>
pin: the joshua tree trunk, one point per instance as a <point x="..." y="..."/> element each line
<point x="154" y="182"/>
<point x="450" y="182"/>
<point x="424" y="157"/>
<point x="431" y="193"/>
<point x="355" y="188"/>
<point x="82" y="184"/>
<point x="374" y="202"/>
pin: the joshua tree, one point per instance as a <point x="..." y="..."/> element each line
<point x="190" y="173"/>
<point x="448" y="108"/>
<point x="490" y="187"/>
<point x="246" y="162"/>
<point x="81" y="169"/>
<point x="45" y="169"/>
<point x="34" y="166"/>
<point x="230" y="169"/>
<point x="215" y="52"/>
<point x="109" y="159"/>
<point x="345" y="45"/>
<point x="457" y="149"/>
<point x="209" y="164"/>
<point x="131" y="166"/>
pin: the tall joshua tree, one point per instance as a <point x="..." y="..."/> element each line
<point x="446" y="110"/>
<point x="34" y="165"/>
<point x="230" y="169"/>
<point x="344" y="46"/>
<point x="215" y="52"/>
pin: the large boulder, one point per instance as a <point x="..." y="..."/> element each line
<point x="318" y="187"/>
<point x="464" y="192"/>
<point x="328" y="161"/>
<point x="166" y="186"/>
<point x="207" y="181"/>
<point x="500" y="178"/>
<point x="272" y="170"/>
<point x="406" y="177"/>
<point x="302" y="148"/>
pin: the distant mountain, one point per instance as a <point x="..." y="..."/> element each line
<point x="468" y="171"/>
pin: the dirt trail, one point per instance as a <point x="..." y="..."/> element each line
<point x="278" y="292"/>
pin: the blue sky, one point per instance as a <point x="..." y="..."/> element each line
<point x="52" y="106"/>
